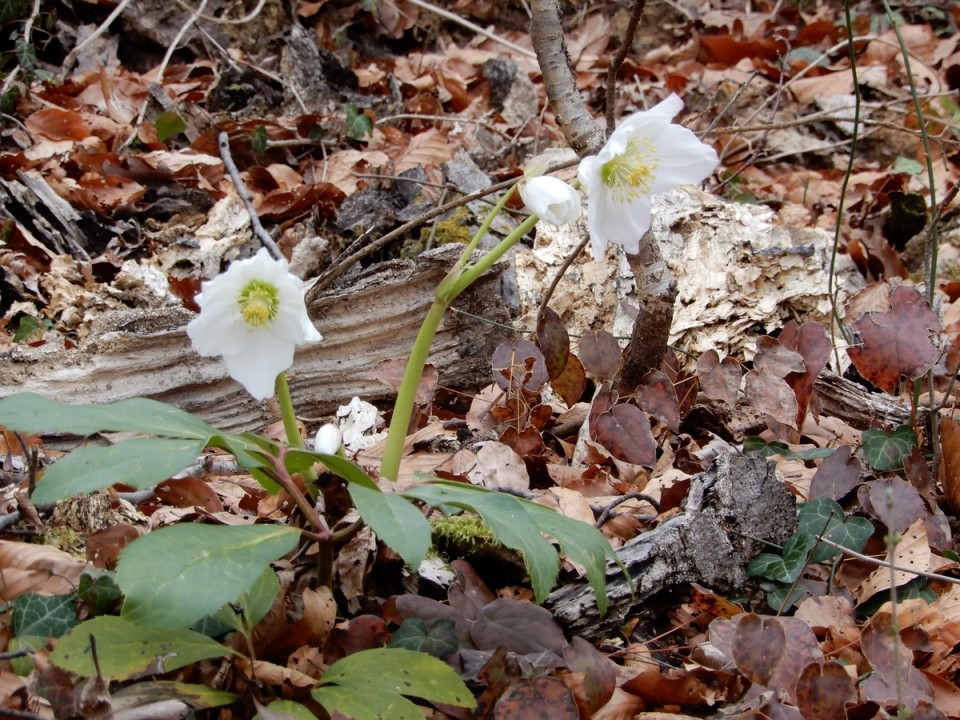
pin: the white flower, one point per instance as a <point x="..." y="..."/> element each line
<point x="254" y="315"/>
<point x="550" y="199"/>
<point x="329" y="439"/>
<point x="645" y="155"/>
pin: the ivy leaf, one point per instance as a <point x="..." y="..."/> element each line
<point x="169" y="124"/>
<point x="437" y="638"/>
<point x="884" y="451"/>
<point x="43" y="616"/>
<point x="174" y="576"/>
<point x="359" y="124"/>
<point x="823" y="517"/>
<point x="785" y="568"/>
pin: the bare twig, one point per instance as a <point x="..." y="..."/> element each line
<point x="558" y="276"/>
<point x="27" y="33"/>
<point x="617" y="60"/>
<point x="472" y="27"/>
<point x="225" y="21"/>
<point x="101" y="29"/>
<point x="223" y="141"/>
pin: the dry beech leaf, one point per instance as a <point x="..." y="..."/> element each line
<point x="913" y="551"/>
<point x="950" y="467"/>
<point x="771" y="395"/>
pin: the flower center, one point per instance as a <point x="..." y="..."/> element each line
<point x="259" y="303"/>
<point x="631" y="173"/>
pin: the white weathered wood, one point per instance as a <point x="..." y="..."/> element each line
<point x="146" y="353"/>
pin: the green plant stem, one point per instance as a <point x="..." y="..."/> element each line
<point x="458" y="280"/>
<point x="407" y="395"/>
<point x="290" y="427"/>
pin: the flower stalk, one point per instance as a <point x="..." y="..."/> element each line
<point x="459" y="279"/>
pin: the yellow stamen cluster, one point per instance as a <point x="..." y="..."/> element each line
<point x="259" y="303"/>
<point x="631" y="173"/>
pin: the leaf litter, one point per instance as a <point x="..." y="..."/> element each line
<point x="133" y="227"/>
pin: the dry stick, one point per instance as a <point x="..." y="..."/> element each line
<point x="884" y="563"/>
<point x="567" y="262"/>
<point x="223" y="141"/>
<point x="68" y="60"/>
<point x="27" y="33"/>
<point x="325" y="280"/>
<point x="472" y="27"/>
<point x="226" y="21"/>
<point x="617" y="60"/>
<point x="157" y="85"/>
<point x="581" y="131"/>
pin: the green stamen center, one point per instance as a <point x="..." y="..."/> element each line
<point x="631" y="173"/>
<point x="259" y="303"/>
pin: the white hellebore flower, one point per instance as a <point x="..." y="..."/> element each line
<point x="645" y="155"/>
<point x="550" y="199"/>
<point x="329" y="439"/>
<point x="254" y="315"/>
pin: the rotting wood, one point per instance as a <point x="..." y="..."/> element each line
<point x="146" y="353"/>
<point x="730" y="508"/>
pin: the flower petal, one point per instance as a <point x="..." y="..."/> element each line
<point x="688" y="161"/>
<point x="551" y="199"/>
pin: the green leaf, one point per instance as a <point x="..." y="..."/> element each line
<point x="520" y="524"/>
<point x="395" y="521"/>
<point x="199" y="697"/>
<point x="884" y="451"/>
<point x="24" y="665"/>
<point x="437" y="637"/>
<point x="98" y="590"/>
<point x="508" y="520"/>
<point x="27" y="328"/>
<point x="174" y="576"/>
<point x="169" y="124"/>
<point x="359" y="124"/>
<point x="254" y="604"/>
<point x="258" y="140"/>
<point x="370" y="703"/>
<point x="768" y="449"/>
<point x="781" y="599"/>
<point x="32" y="413"/>
<point x="823" y="517"/>
<point x="43" y="616"/>
<point x="907" y="165"/>
<point x="785" y="569"/>
<point x="284" y="709"/>
<point x="125" y="649"/>
<point x="371" y="683"/>
<point x="138" y="462"/>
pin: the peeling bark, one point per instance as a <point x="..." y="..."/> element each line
<point x="729" y="509"/>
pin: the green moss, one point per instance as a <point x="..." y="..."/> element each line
<point x="455" y="228"/>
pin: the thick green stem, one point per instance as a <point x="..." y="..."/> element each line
<point x="407" y="395"/>
<point x="290" y="426"/>
<point x="459" y="279"/>
<point x="470" y="275"/>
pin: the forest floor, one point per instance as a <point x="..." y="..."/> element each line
<point x="349" y="120"/>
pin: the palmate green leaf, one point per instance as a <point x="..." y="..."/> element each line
<point x="285" y="710"/>
<point x="125" y="649"/>
<point x="174" y="576"/>
<point x="520" y="524"/>
<point x="43" y="616"/>
<point x="823" y="517"/>
<point x="32" y="413"/>
<point x="138" y="462"/>
<point x="370" y="685"/>
<point x="885" y="451"/>
<point x="785" y="568"/>
<point x="437" y="637"/>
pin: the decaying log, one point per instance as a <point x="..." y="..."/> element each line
<point x="710" y="541"/>
<point x="146" y="353"/>
<point x="857" y="406"/>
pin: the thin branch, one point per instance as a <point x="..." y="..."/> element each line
<point x="617" y="60"/>
<point x="884" y="563"/>
<point x="568" y="261"/>
<point x="101" y="29"/>
<point x="223" y="141"/>
<point x="447" y="15"/>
